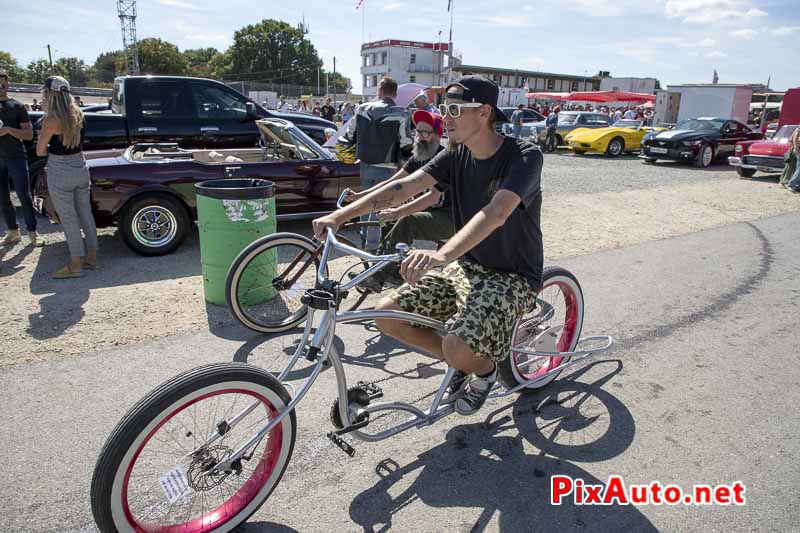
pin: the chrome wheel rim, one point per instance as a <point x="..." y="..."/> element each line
<point x="707" y="154"/>
<point x="616" y="147"/>
<point x="154" y="226"/>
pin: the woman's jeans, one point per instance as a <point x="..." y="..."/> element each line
<point x="69" y="186"/>
<point x="371" y="175"/>
<point x="16" y="169"/>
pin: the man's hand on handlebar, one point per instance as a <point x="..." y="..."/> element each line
<point x="351" y="196"/>
<point x="418" y="262"/>
<point x="321" y="223"/>
<point x="390" y="215"/>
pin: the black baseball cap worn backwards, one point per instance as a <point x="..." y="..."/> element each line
<point x="477" y="89"/>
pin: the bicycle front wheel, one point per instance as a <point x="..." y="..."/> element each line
<point x="158" y="469"/>
<point x="267" y="280"/>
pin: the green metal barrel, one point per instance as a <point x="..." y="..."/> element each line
<point x="232" y="213"/>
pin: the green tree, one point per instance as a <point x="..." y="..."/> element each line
<point x="10" y="65"/>
<point x="272" y="51"/>
<point x="161" y="57"/>
<point x="39" y="69"/>
<point x="199" y="60"/>
<point x="108" y="66"/>
<point x="74" y="69"/>
<point x="338" y="82"/>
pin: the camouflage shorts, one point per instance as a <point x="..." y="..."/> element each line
<point x="477" y="304"/>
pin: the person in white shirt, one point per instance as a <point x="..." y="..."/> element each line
<point x="283" y="105"/>
<point x="630" y="114"/>
<point x="617" y="115"/>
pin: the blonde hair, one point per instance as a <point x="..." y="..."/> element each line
<point x="62" y="107"/>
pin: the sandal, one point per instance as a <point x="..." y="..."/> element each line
<point x="90" y="266"/>
<point x="65" y="273"/>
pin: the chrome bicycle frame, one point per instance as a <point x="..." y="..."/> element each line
<point x="321" y="346"/>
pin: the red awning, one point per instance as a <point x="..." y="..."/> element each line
<point x="610" y="96"/>
<point x="547" y="96"/>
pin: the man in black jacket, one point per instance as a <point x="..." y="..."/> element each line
<point x="379" y="130"/>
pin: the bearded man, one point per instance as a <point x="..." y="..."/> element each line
<point x="425" y="218"/>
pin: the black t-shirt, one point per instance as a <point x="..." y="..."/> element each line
<point x="13" y="114"/>
<point x="413" y="164"/>
<point x="516" y="246"/>
<point x="327" y="112"/>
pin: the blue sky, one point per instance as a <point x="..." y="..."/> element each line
<point x="677" y="41"/>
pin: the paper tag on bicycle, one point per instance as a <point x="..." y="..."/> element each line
<point x="175" y="484"/>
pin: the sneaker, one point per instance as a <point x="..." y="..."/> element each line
<point x="455" y="386"/>
<point x="476" y="393"/>
<point x="36" y="241"/>
<point x="12" y="237"/>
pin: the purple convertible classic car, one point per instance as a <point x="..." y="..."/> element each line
<point x="148" y="191"/>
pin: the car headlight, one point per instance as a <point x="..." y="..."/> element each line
<point x="739" y="149"/>
<point x="690" y="143"/>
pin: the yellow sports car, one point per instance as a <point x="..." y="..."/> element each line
<point x="622" y="136"/>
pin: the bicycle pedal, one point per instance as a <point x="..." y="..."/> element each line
<point x="373" y="390"/>
<point x="342" y="444"/>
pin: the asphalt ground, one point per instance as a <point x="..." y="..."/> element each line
<point x="702" y="388"/>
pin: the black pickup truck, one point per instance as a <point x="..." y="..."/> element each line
<point x="193" y="112"/>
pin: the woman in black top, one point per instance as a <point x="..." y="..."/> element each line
<point x="68" y="181"/>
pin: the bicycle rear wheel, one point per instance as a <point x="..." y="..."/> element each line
<point x="558" y="331"/>
<point x="157" y="470"/>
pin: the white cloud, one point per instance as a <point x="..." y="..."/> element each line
<point x="705" y="43"/>
<point x="180" y="4"/>
<point x="693" y="54"/>
<point x="716" y="53"/>
<point x="782" y="31"/>
<point x="746" y="33"/>
<point x="394" y="6"/>
<point x="527" y="8"/>
<point x="711" y="11"/>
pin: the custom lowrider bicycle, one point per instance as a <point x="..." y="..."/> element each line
<point x="204" y="450"/>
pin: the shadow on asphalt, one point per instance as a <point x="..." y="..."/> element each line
<point x="265" y="527"/>
<point x="12" y="256"/>
<point x="485" y="465"/>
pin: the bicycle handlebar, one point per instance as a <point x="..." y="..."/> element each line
<point x="342" y="196"/>
<point x="379" y="261"/>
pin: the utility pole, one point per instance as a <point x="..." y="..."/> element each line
<point x="50" y="56"/>
<point x="318" y="79"/>
<point x="439" y="62"/>
<point x="334" y="81"/>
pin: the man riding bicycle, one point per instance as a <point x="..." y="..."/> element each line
<point x="492" y="265"/>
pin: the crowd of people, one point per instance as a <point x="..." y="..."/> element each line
<point x="327" y="109"/>
<point x="645" y="114"/>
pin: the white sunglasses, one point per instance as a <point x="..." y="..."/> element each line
<point x="454" y="110"/>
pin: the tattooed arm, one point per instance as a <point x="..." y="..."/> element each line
<point x="389" y="195"/>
